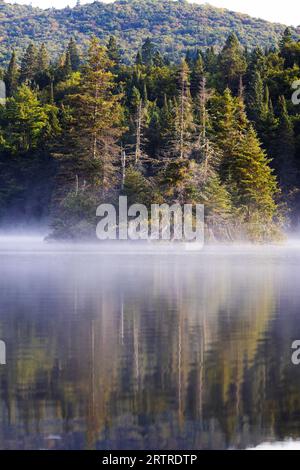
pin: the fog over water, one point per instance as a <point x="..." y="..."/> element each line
<point x="128" y="346"/>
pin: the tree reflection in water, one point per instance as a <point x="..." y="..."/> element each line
<point x="125" y="352"/>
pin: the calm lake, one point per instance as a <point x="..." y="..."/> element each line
<point x="143" y="350"/>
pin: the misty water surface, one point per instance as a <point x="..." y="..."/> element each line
<point x="111" y="349"/>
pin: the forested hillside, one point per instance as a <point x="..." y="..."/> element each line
<point x="214" y="128"/>
<point x="173" y="26"/>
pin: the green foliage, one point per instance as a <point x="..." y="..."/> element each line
<point x="11" y="76"/>
<point x="216" y="128"/>
<point x="232" y="63"/>
<point x="137" y="188"/>
<point x="75" y="217"/>
<point x="174" y="26"/>
<point x="25" y="120"/>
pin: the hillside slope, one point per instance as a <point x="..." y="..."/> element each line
<point x="173" y="25"/>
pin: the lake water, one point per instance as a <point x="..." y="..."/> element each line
<point x="120" y="349"/>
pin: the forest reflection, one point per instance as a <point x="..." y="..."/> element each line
<point x="121" y="352"/>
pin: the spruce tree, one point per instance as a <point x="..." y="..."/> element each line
<point x="284" y="158"/>
<point x="94" y="125"/>
<point x="113" y="52"/>
<point x="29" y="65"/>
<point x="184" y="120"/>
<point x="26" y="121"/>
<point x="147" y="52"/>
<point x="11" y="76"/>
<point x="67" y="66"/>
<point x="197" y="73"/>
<point x="42" y="59"/>
<point x="232" y="63"/>
<point x="228" y="122"/>
<point x="254" y="185"/>
<point x="255" y="98"/>
<point x="74" y="56"/>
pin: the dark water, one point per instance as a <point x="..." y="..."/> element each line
<point x="129" y="351"/>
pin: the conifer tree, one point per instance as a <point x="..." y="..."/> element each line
<point x="26" y="120"/>
<point x="211" y="60"/>
<point x="29" y="65"/>
<point x="139" y="59"/>
<point x="113" y="52"/>
<point x="184" y="124"/>
<point x="158" y="60"/>
<point x="94" y="126"/>
<point x="205" y="153"/>
<point x="42" y="59"/>
<point x="256" y="98"/>
<point x="232" y="63"/>
<point x="211" y="192"/>
<point x="11" y="76"/>
<point x="228" y="121"/>
<point x="147" y="52"/>
<point x="167" y="124"/>
<point x="254" y="185"/>
<point x="43" y="75"/>
<point x="217" y="202"/>
<point x="197" y="74"/>
<point x="67" y="66"/>
<point x="74" y="56"/>
<point x="284" y="158"/>
<point x="286" y="48"/>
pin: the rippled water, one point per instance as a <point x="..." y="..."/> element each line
<point x="118" y="349"/>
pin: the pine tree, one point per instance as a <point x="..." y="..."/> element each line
<point x="286" y="38"/>
<point x="153" y="132"/>
<point x="284" y="158"/>
<point x="11" y="76"/>
<point x="139" y="60"/>
<point x="137" y="187"/>
<point x="217" y="202"/>
<point x="255" y="98"/>
<point x="158" y="60"/>
<point x="257" y="63"/>
<point x="94" y="125"/>
<point x="205" y="152"/>
<point x="26" y="121"/>
<point x="245" y="168"/>
<point x="228" y="121"/>
<point x="74" y="56"/>
<point x="254" y="185"/>
<point x="184" y="123"/>
<point x="29" y="65"/>
<point x="268" y="125"/>
<point x="138" y="132"/>
<point x="147" y="52"/>
<point x="211" y="192"/>
<point x="113" y="52"/>
<point x="211" y="60"/>
<point x="167" y="125"/>
<point x="286" y="48"/>
<point x="42" y="59"/>
<point x="232" y="63"/>
<point x="137" y="141"/>
<point x="197" y="74"/>
<point x="67" y="66"/>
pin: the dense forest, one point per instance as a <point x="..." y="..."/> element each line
<point x="173" y="26"/>
<point x="217" y="128"/>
